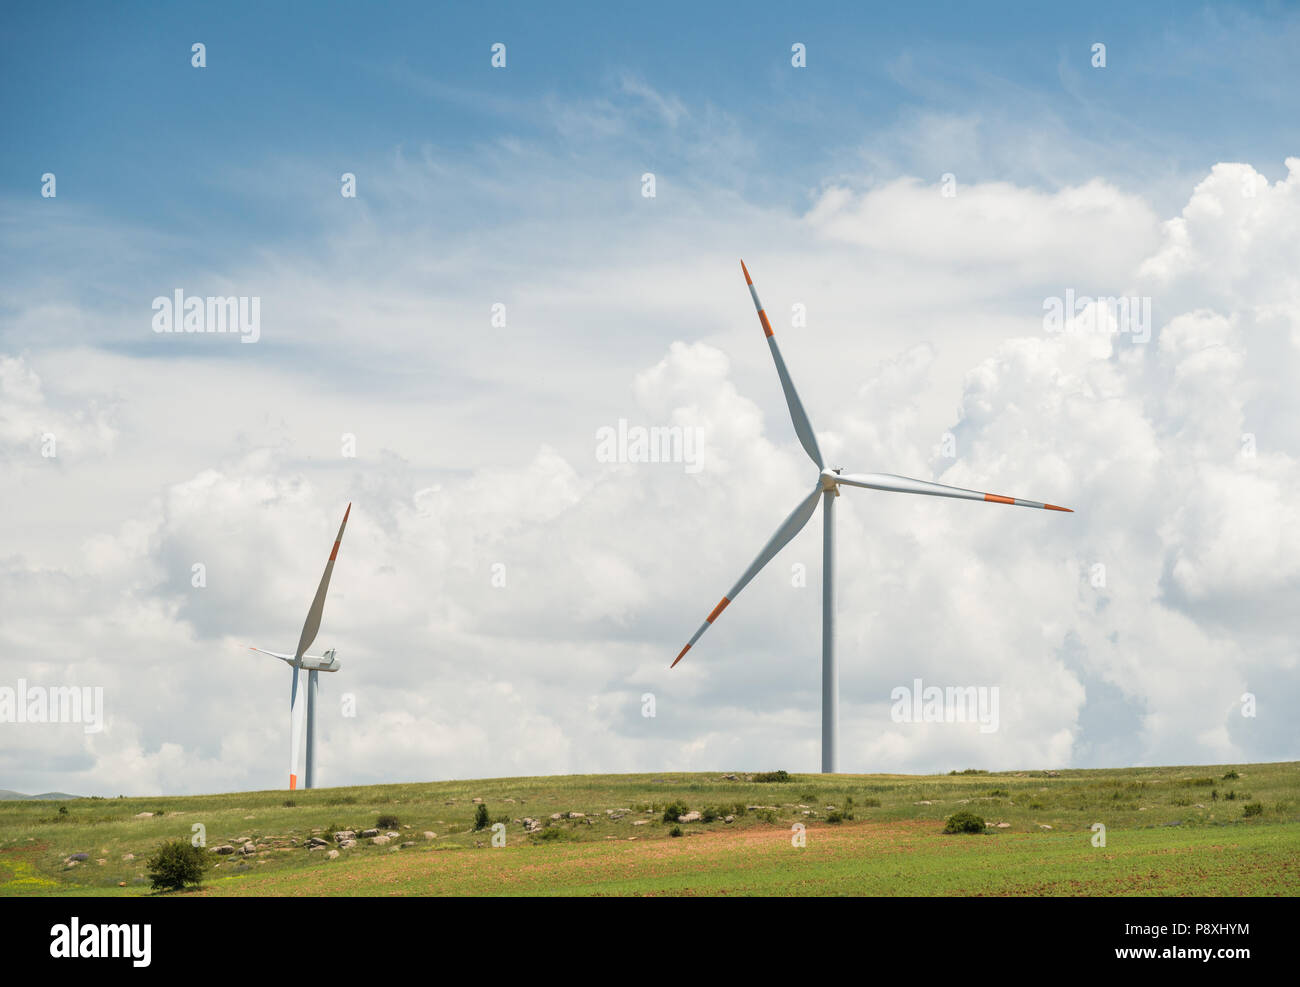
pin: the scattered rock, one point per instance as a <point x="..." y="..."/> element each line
<point x="314" y="842"/>
<point x="408" y="843"/>
<point x="729" y="819"/>
<point x="639" y="822"/>
<point x="369" y="833"/>
<point x="1004" y="825"/>
<point x="248" y="848"/>
<point x="430" y="835"/>
<point x="1044" y="826"/>
<point x="379" y="840"/>
<point x="689" y="817"/>
<point x="392" y="835"/>
<point x="577" y="815"/>
<point x="121" y="884"/>
<point x="729" y="778"/>
<point x="77" y="857"/>
<point x="477" y="801"/>
<point x="347" y="844"/>
<point x="556" y="815"/>
<point x="344" y="834"/>
<point x="144" y="815"/>
<point x="332" y="855"/>
<point x="224" y="849"/>
<point x="128" y="856"/>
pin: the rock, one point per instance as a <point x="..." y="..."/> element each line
<point x="379" y="840"/>
<point x="344" y="834"/>
<point x="101" y="861"/>
<point x="639" y="822"/>
<point x="241" y="840"/>
<point x="69" y="865"/>
<point x="77" y="857"/>
<point x="728" y="777"/>
<point x="392" y="835"/>
<point x="555" y="815"/>
<point x="577" y="815"/>
<point x="332" y="855"/>
<point x="224" y="849"/>
<point x="429" y="835"/>
<point x="128" y="856"/>
<point x="144" y="815"/>
<point x="315" y="842"/>
<point x="347" y="844"/>
<point x="689" y="817"/>
<point x="369" y="833"/>
<point x="477" y="801"/>
<point x="408" y="843"/>
<point x="1004" y="825"/>
<point x="248" y="848"/>
<point x="1044" y="826"/>
<point x="729" y="819"/>
<point x="121" y="884"/>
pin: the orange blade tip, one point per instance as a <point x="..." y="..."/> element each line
<point x="679" y="657"/>
<point x="1053" y="507"/>
<point x="746" y="270"/>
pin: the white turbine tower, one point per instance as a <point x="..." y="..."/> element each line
<point x="827" y="489"/>
<point x="313" y="664"/>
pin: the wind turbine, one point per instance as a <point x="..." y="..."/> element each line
<point x="827" y="489"/>
<point x="313" y="664"/>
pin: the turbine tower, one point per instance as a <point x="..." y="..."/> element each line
<point x="827" y="489"/>
<point x="313" y="665"/>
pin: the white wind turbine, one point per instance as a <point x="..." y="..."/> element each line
<point x="313" y="664"/>
<point x="827" y="489"/>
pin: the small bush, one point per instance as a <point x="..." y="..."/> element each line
<point x="387" y="822"/>
<point x="969" y="771"/>
<point x="1231" y="775"/>
<point x="711" y="814"/>
<point x="964" y="822"/>
<point x="673" y="810"/>
<point x="767" y="815"/>
<point x="675" y="831"/>
<point x="290" y="804"/>
<point x="176" y="864"/>
<point x="1231" y="796"/>
<point x="999" y="793"/>
<point x="552" y="834"/>
<point x="1202" y="782"/>
<point x="481" y="820"/>
<point x="771" y="776"/>
<point x="1254" y="809"/>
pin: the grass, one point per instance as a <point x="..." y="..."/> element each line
<point x="1165" y="835"/>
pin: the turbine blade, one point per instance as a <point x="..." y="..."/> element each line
<point x="790" y="527"/>
<point x="312" y="624"/>
<point x="903" y="484"/>
<point x="295" y="732"/>
<point x="802" y="427"/>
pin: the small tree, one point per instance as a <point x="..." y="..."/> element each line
<point x="481" y="819"/>
<point x="964" y="822"/>
<point x="176" y="864"/>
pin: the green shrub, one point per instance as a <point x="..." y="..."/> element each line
<point x="1254" y="809"/>
<point x="675" y="831"/>
<point x="553" y="834"/>
<point x="387" y="822"/>
<point x="673" y="810"/>
<point x="1231" y="775"/>
<point x="964" y="822"/>
<point x="711" y="814"/>
<point x="176" y="864"/>
<point x="969" y="771"/>
<point x="770" y="776"/>
<point x="481" y="819"/>
<point x="999" y="793"/>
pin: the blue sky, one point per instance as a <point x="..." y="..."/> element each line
<point x="521" y="187"/>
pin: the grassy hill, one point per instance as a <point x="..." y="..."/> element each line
<point x="1225" y="830"/>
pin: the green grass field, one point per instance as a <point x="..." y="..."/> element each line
<point x="1224" y="830"/>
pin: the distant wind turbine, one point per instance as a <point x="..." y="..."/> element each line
<point x="827" y="489"/>
<point x="313" y="664"/>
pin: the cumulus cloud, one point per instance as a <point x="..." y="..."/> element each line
<point x="504" y="598"/>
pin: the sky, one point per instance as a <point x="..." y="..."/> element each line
<point x="545" y="252"/>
